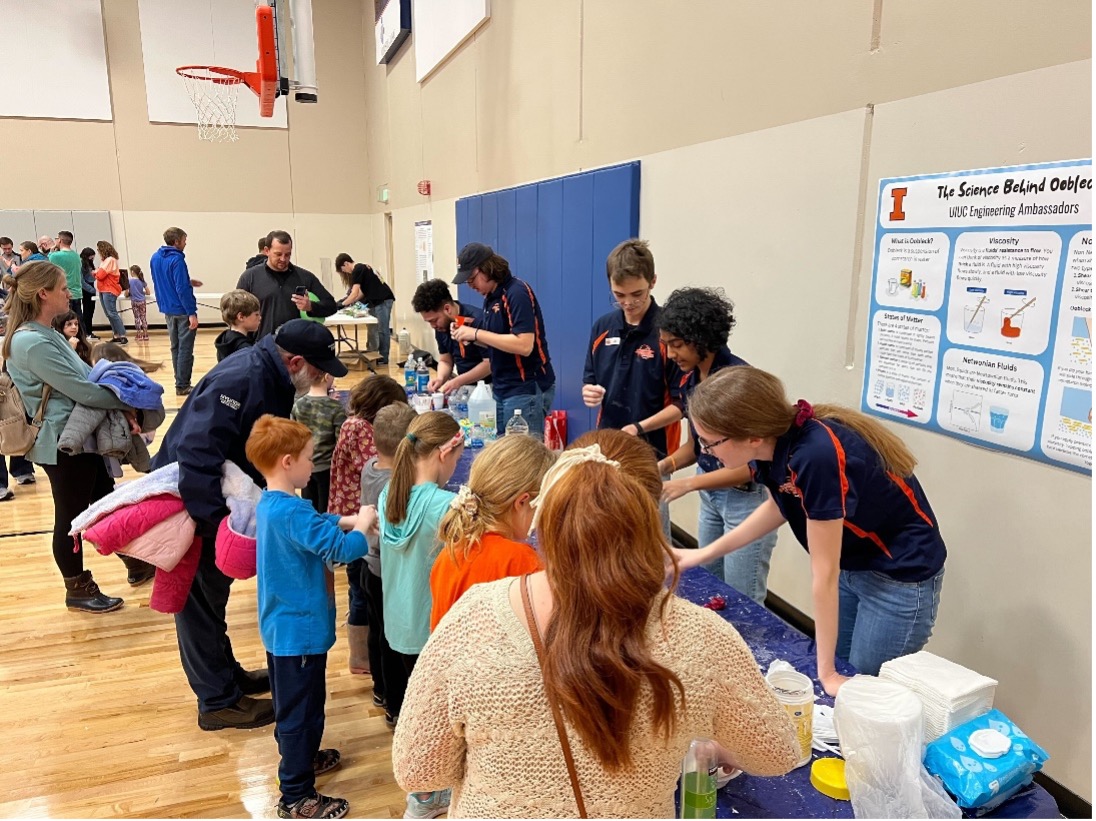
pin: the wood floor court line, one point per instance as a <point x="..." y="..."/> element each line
<point x="98" y="719"/>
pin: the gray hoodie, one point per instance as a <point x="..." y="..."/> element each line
<point x="373" y="481"/>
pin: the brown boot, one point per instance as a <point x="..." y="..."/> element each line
<point x="82" y="593"/>
<point x="138" y="570"/>
<point x="358" y="635"/>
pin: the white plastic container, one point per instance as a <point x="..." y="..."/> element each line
<point x="795" y="692"/>
<point x="481" y="410"/>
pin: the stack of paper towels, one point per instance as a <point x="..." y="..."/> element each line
<point x="950" y="693"/>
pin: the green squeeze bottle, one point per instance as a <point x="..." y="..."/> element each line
<point x="698" y="780"/>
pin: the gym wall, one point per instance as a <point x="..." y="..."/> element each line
<point x="762" y="132"/>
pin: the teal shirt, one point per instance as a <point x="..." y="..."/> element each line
<point x="41" y="356"/>
<point x="408" y="550"/>
<point x="69" y="262"/>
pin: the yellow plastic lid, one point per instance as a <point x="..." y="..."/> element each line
<point x="828" y="777"/>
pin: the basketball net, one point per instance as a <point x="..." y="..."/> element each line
<point x="214" y="97"/>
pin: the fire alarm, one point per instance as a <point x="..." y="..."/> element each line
<point x="424" y="187"/>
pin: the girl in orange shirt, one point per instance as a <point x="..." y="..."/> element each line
<point x="484" y="522"/>
<point x="108" y="281"/>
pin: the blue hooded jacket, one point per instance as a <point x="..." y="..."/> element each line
<point x="174" y="293"/>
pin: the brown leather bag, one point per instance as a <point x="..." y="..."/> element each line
<point x="17" y="432"/>
<point x="534" y="631"/>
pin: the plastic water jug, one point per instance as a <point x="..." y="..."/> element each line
<point x="422" y="377"/>
<point x="517" y="426"/>
<point x="403" y="340"/>
<point x="481" y="410"/>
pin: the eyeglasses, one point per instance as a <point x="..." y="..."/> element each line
<point x="706" y="447"/>
<point x="630" y="302"/>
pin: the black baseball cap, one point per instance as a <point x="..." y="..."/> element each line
<point x="312" y="341"/>
<point x="471" y="256"/>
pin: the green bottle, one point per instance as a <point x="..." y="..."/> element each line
<point x="698" y="771"/>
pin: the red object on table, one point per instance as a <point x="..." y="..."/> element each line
<point x="715" y="603"/>
<point x="555" y="430"/>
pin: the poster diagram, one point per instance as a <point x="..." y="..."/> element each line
<point x="981" y="314"/>
<point x="424" y="250"/>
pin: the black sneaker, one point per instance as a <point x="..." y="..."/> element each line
<point x="379" y="700"/>
<point x="183" y="391"/>
<point x="245" y="714"/>
<point x="28" y="479"/>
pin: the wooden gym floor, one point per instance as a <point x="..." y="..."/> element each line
<point x="100" y="720"/>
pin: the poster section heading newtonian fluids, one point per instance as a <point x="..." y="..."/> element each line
<point x="980" y="325"/>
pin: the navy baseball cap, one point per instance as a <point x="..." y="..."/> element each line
<point x="471" y="256"/>
<point x="312" y="341"/>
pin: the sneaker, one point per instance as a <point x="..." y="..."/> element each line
<point x="325" y="761"/>
<point x="92" y="338"/>
<point x="245" y="714"/>
<point x="6" y="494"/>
<point x="25" y="480"/>
<point x="183" y="391"/>
<point x="120" y="340"/>
<point x="390" y="720"/>
<point x="379" y="700"/>
<point x="315" y="806"/>
<point x="434" y="804"/>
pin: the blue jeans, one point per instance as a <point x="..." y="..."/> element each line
<point x="298" y="686"/>
<point x="664" y="516"/>
<point x="882" y="618"/>
<point x="182" y="348"/>
<point x="746" y="570"/>
<point x="534" y="407"/>
<point x="383" y="313"/>
<point x="110" y="308"/>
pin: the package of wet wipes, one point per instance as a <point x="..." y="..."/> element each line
<point x="984" y="759"/>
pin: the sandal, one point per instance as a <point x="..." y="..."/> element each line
<point x="315" y="806"/>
<point x="325" y="761"/>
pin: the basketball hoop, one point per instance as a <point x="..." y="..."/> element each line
<point x="213" y="91"/>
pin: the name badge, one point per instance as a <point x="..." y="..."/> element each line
<point x="612" y="340"/>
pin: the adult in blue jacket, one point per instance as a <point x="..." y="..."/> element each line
<point x="212" y="427"/>
<point x="175" y="298"/>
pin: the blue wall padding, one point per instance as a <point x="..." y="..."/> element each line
<point x="556" y="235"/>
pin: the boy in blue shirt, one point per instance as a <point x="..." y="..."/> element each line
<point x="296" y="547"/>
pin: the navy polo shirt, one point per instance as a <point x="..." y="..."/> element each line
<point x="825" y="471"/>
<point x="630" y="362"/>
<point x="465" y="357"/>
<point x="686" y="383"/>
<point x="512" y="308"/>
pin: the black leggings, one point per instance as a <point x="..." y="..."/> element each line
<point x="76" y="482"/>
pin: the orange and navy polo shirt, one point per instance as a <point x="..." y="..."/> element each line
<point x="465" y="356"/>
<point x="686" y="382"/>
<point x="512" y="308"/>
<point x="826" y="471"/>
<point x="630" y="362"/>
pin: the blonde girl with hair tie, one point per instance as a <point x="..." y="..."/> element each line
<point x="485" y="525"/>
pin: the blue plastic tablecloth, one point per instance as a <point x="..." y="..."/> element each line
<point x="792" y="796"/>
<point x="770" y="638"/>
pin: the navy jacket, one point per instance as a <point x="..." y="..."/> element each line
<point x="630" y="363"/>
<point x="174" y="293"/>
<point x="214" y="423"/>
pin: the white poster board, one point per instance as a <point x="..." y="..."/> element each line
<point x="199" y="32"/>
<point x="54" y="61"/>
<point x="440" y="27"/>
<point x="424" y="250"/>
<point x="981" y="310"/>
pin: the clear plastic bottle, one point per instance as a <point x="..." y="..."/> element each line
<point x="517" y="426"/>
<point x="458" y="401"/>
<point x="698" y="770"/>
<point x="422" y="377"/>
<point x="410" y="382"/>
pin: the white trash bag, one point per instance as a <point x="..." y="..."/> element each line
<point x="879" y="725"/>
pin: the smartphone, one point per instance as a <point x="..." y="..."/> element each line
<point x="301" y="290"/>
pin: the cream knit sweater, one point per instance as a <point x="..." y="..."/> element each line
<point x="476" y="718"/>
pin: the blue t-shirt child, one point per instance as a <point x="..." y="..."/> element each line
<point x="296" y="545"/>
<point x="138" y="291"/>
